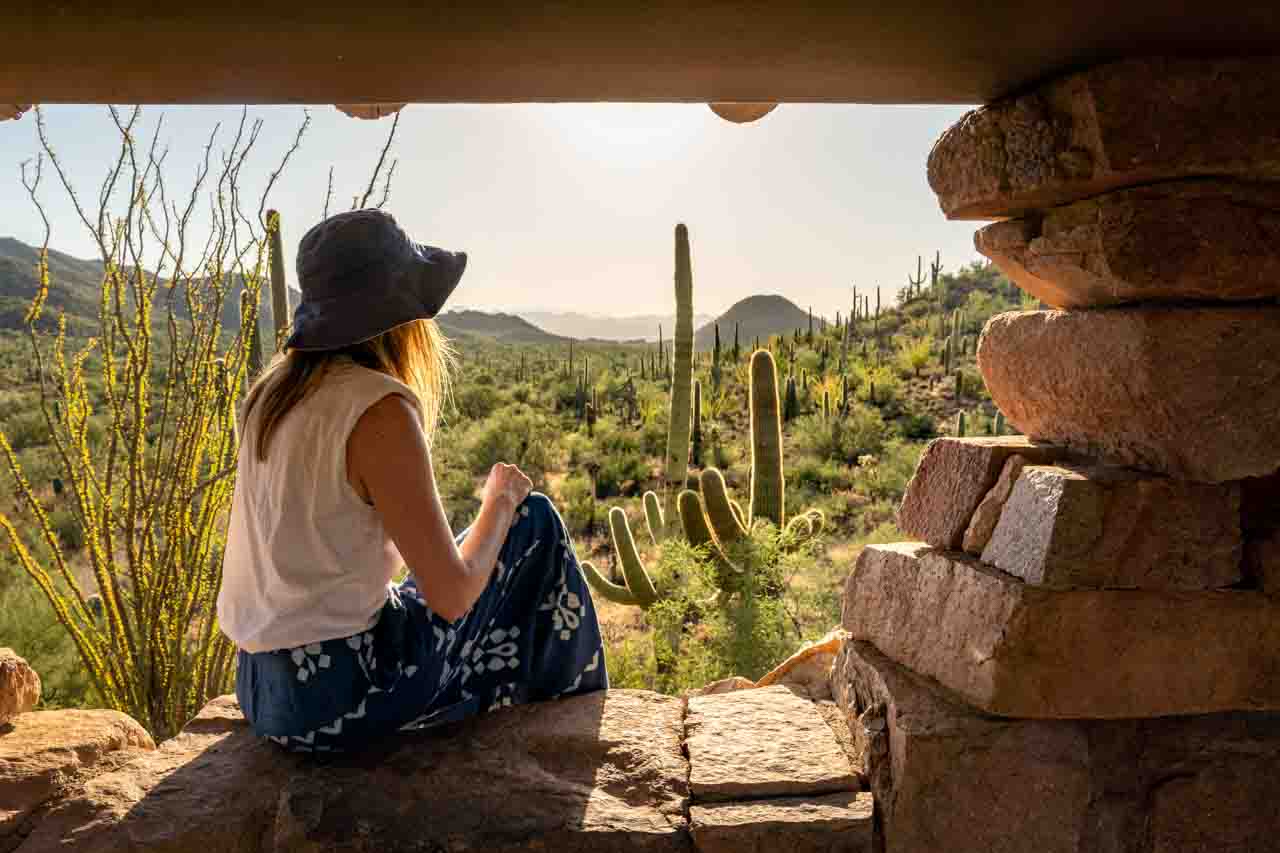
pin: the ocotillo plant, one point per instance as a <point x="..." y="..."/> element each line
<point x="727" y="521"/>
<point x="663" y="521"/>
<point x="142" y="617"/>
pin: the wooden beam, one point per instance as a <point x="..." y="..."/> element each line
<point x="336" y="51"/>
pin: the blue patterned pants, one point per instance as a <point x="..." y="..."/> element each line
<point x="532" y="635"/>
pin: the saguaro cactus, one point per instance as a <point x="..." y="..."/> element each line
<point x="725" y="519"/>
<point x="663" y="521"/>
<point x="279" y="291"/>
<point x="678" y="426"/>
<point x="696" y="445"/>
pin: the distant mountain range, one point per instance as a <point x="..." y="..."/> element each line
<point x="755" y="316"/>
<point x="75" y="287"/>
<point x="639" y="327"/>
<point x="507" y="328"/>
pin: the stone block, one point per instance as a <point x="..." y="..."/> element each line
<point x="1115" y="528"/>
<point x="1203" y="241"/>
<point x="987" y="515"/>
<point x="44" y="752"/>
<point x="951" y="479"/>
<point x="762" y="743"/>
<point x="1189" y="392"/>
<point x="1124" y="124"/>
<point x="1017" y="650"/>
<point x="947" y="777"/>
<point x="834" y="823"/>
<point x="19" y="686"/>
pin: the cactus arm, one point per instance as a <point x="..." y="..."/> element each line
<point x="804" y="527"/>
<point x="738" y="513"/>
<point x="768" y="499"/>
<point x="719" y="510"/>
<point x="638" y="580"/>
<point x="653" y="516"/>
<point x="699" y="534"/>
<point x="678" y="428"/>
<point x="606" y="588"/>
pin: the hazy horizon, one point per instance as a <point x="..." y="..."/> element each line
<point x="571" y="207"/>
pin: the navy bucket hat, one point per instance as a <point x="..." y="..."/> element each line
<point x="361" y="275"/>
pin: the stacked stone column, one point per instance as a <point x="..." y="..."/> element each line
<point x="1081" y="652"/>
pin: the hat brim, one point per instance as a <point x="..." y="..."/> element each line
<point x="362" y="313"/>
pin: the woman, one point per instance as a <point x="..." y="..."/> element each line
<point x="336" y="495"/>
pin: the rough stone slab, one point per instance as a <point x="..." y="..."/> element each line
<point x="1189" y="392"/>
<point x="599" y="772"/>
<point x="19" y="686"/>
<point x="596" y="772"/>
<point x="762" y="743"/>
<point x="43" y="752"/>
<point x="951" y="479"/>
<point x="1115" y="528"/>
<point x="1017" y="650"/>
<point x="1197" y="241"/>
<point x="947" y="777"/>
<point x="835" y="823"/>
<point x="1127" y="123"/>
<point x="213" y="787"/>
<point x="987" y="515"/>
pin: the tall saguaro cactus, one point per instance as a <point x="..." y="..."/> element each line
<point x="681" y="387"/>
<point x="279" y="293"/>
<point x="663" y="521"/>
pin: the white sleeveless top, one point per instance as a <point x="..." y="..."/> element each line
<point x="307" y="559"/>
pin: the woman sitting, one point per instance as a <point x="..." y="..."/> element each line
<point x="336" y="495"/>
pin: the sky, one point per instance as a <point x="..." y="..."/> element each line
<point x="571" y="207"/>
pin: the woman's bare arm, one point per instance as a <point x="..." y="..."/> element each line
<point x="389" y="463"/>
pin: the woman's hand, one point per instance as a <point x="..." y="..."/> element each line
<point x="507" y="486"/>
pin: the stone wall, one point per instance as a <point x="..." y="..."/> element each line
<point x="622" y="770"/>
<point x="1082" y="651"/>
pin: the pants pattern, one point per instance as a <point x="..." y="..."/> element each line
<point x="531" y="636"/>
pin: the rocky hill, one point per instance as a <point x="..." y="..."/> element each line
<point x="756" y="316"/>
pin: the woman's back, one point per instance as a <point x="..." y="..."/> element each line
<point x="306" y="559"/>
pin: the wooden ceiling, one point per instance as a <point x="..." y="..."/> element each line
<point x="331" y="51"/>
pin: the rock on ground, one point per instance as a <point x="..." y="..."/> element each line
<point x="42" y="753"/>
<point x="1105" y="527"/>
<point x="19" y="686"/>
<point x="834" y="823"/>
<point x="1017" y="650"/>
<point x="1216" y="241"/>
<point x="1133" y="122"/>
<point x="951" y="479"/>
<point x="762" y="743"/>
<point x="947" y="777"/>
<point x="1188" y="392"/>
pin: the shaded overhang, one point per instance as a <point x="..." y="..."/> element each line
<point x="331" y="51"/>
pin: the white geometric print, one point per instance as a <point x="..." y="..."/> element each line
<point x="308" y="659"/>
<point x="567" y="608"/>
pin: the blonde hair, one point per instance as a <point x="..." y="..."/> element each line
<point x="415" y="353"/>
